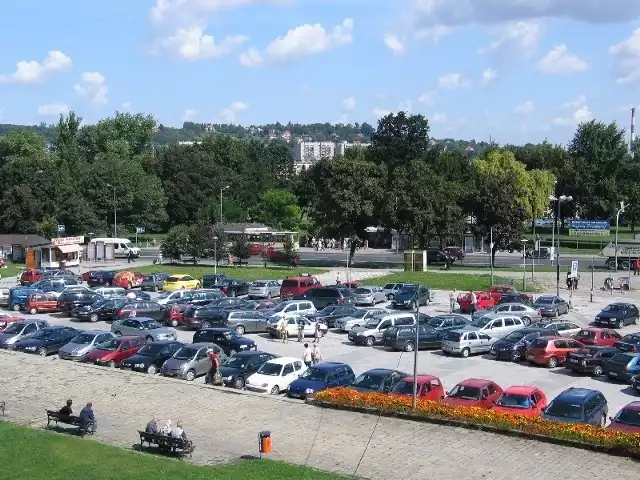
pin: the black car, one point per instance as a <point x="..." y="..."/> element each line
<point x="515" y="297"/>
<point x="444" y="323"/>
<point x="404" y="338"/>
<point x="590" y="360"/>
<point x="618" y="315"/>
<point x="235" y="370"/>
<point x="322" y="297"/>
<point x="233" y="288"/>
<point x="198" y="298"/>
<point x="622" y="366"/>
<point x="104" y="309"/>
<point x="629" y="343"/>
<point x="212" y="313"/>
<point x="46" y="341"/>
<point x="513" y="346"/>
<point x="211" y="280"/>
<point x="150" y="358"/>
<point x="154" y="282"/>
<point x="226" y="338"/>
<point x="331" y="313"/>
<point x="100" y="278"/>
<point x="438" y="257"/>
<point x="142" y="309"/>
<point x="379" y="380"/>
<point x="69" y="301"/>
<point x="407" y="297"/>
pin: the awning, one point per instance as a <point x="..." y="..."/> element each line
<point x="68" y="248"/>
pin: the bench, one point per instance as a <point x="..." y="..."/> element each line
<point x="164" y="442"/>
<point x="57" y="417"/>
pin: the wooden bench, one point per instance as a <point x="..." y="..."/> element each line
<point x="57" y="417"/>
<point x="165" y="442"/>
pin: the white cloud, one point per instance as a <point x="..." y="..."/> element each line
<point x="515" y="40"/>
<point x="453" y="80"/>
<point x="93" y="88"/>
<point x="190" y="115"/>
<point x="349" y="103"/>
<point x="230" y="113"/>
<point x="575" y="104"/>
<point x="53" y="109"/>
<point x="438" y="118"/>
<point x="381" y="112"/>
<point x="626" y="59"/>
<point x="126" y="106"/>
<point x="433" y="34"/>
<point x="526" y="108"/>
<point x="193" y="11"/>
<point x="560" y="61"/>
<point x="578" y="112"/>
<point x="394" y="44"/>
<point x="298" y="43"/>
<point x="489" y="75"/>
<point x="33" y="72"/>
<point x="427" y="98"/>
<point x="380" y="96"/>
<point x="192" y="43"/>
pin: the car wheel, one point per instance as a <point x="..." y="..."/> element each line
<point x="240" y="330"/>
<point x="16" y="308"/>
<point x="409" y="347"/>
<point x="149" y="339"/>
<point x="526" y="321"/>
<point x="112" y="364"/>
<point x="238" y="383"/>
<point x="190" y="376"/>
<point x="206" y="325"/>
<point x="152" y="369"/>
<point x="619" y="324"/>
<point x="155" y="288"/>
<point x="516" y="356"/>
<point x="597" y="371"/>
<point x="370" y="341"/>
<point x="275" y="390"/>
<point x="557" y="313"/>
<point x="118" y="333"/>
<point x="198" y="286"/>
<point x="42" y="352"/>
<point x="552" y="362"/>
<point x="465" y="352"/>
<point x="93" y="318"/>
<point x="603" y="421"/>
<point x="33" y="311"/>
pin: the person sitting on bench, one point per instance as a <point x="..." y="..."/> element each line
<point x="66" y="410"/>
<point x="86" y="416"/>
<point x="178" y="432"/>
<point x="152" y="426"/>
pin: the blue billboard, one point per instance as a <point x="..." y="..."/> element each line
<point x="544" y="223"/>
<point x="589" y="227"/>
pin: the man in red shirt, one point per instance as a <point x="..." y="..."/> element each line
<point x="214" y="372"/>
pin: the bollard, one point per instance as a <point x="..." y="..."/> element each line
<point x="264" y="442"/>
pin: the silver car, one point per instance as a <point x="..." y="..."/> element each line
<point x="110" y="292"/>
<point x="143" y="327"/>
<point x="371" y="332"/>
<point x="264" y="289"/>
<point x="369" y="296"/>
<point x="4" y="297"/>
<point x="496" y="325"/>
<point x="168" y="297"/>
<point x="191" y="361"/>
<point x="525" y="312"/>
<point x="81" y="345"/>
<point x="390" y="289"/>
<point x="347" y="323"/>
<point x="19" y="330"/>
<point x="466" y="341"/>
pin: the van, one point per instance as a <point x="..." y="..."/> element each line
<point x="372" y="331"/>
<point x="294" y="286"/>
<point x="121" y="246"/>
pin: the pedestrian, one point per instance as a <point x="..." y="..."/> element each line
<point x="159" y="258"/>
<point x="474" y="301"/>
<point x="306" y="356"/>
<point x="637" y="269"/>
<point x="452" y="301"/>
<point x="316" y="355"/>
<point x="282" y="327"/>
<point x="338" y="279"/>
<point x="300" y="330"/>
<point x="213" y="377"/>
<point x="87" y="418"/>
<point x="317" y="334"/>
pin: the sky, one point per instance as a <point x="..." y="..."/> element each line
<point x="514" y="71"/>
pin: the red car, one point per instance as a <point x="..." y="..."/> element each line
<point x="551" y="351"/>
<point x="521" y="400"/>
<point x="128" y="279"/>
<point x="597" y="337"/>
<point x="112" y="352"/>
<point x="497" y="291"/>
<point x="474" y="392"/>
<point x="30" y="276"/>
<point x="483" y="298"/>
<point x="430" y="387"/>
<point x="41" y="303"/>
<point x="6" y="320"/>
<point x="627" y="419"/>
<point x="294" y="286"/>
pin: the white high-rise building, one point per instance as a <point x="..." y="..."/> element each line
<point x="308" y="153"/>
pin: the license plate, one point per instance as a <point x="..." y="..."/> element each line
<point x="296" y="395"/>
<point x="530" y="357"/>
<point x="612" y="374"/>
<point x="573" y="360"/>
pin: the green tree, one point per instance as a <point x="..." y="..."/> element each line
<point x="289" y="251"/>
<point x="278" y="208"/>
<point x="174" y="245"/>
<point x="240" y="248"/>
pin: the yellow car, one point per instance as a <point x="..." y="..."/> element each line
<point x="180" y="282"/>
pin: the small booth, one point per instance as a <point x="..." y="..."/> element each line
<point x="61" y="252"/>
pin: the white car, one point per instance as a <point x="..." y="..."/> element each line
<point x="345" y="324"/>
<point x="290" y="307"/>
<point x="276" y="375"/>
<point x="309" y="327"/>
<point x="167" y="297"/>
<point x="565" y="329"/>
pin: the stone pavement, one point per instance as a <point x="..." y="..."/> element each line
<point x="224" y="427"/>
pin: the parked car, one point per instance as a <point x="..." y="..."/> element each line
<point x="110" y="292"/>
<point x="551" y="351"/>
<point x="154" y="282"/>
<point x="233" y="288"/>
<point x="590" y="360"/>
<point x="627" y="419"/>
<point x="618" y="315"/>
<point x="379" y="380"/>
<point x="429" y="387"/>
<point x="100" y="278"/>
<point x="235" y="370"/>
<point x="602" y="337"/>
<point x="264" y="289"/>
<point x="227" y="339"/>
<point x="454" y="252"/>
<point x="404" y="338"/>
<point x="550" y="306"/>
<point x="294" y="286"/>
<point x="345" y="324"/>
<point x="112" y="352"/>
<point x="292" y="322"/>
<point x="275" y="375"/>
<point x="58" y="285"/>
<point x="319" y="377"/>
<point x="150" y="358"/>
<point x="474" y="392"/>
<point x="322" y="297"/>
<point x="215" y="313"/>
<point x="629" y="343"/>
<point x="180" y="282"/>
<point x="515" y="297"/>
<point x="496" y="325"/>
<point x="127" y="279"/>
<point x="142" y="309"/>
<point x="390" y="289"/>
<point x="466" y="342"/>
<point x="6" y="320"/>
<point x="622" y="366"/>
<point x="18" y="330"/>
<point x="172" y="297"/>
<point x="67" y="302"/>
<point x="82" y="344"/>
<point x="513" y="347"/>
<point x="290" y="307"/>
<point x="46" y="341"/>
<point x="564" y="329"/>
<point x="4" y="296"/>
<point x="578" y="405"/>
<point x="332" y="313"/>
<point x="41" y="303"/>
<point x="148" y="328"/>
<point x="18" y="297"/>
<point x="244" y="321"/>
<point x="371" y="332"/>
<point x="521" y="400"/>
<point x="101" y="310"/>
<point x="191" y="361"/>
<point x="524" y="312"/>
<point x="496" y="292"/>
<point x="483" y="300"/>
<point x="210" y="280"/>
<point x="369" y="296"/>
<point x="412" y="294"/>
<point x="30" y="276"/>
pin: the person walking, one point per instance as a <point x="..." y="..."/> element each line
<point x="300" y="330"/>
<point x="214" y="372"/>
<point x="282" y="328"/>
<point x="338" y="279"/>
<point x="452" y="301"/>
<point x="316" y="355"/>
<point x="306" y="356"/>
<point x="317" y="334"/>
<point x="474" y="301"/>
<point x="637" y="265"/>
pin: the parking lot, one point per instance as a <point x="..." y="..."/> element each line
<point x="335" y="346"/>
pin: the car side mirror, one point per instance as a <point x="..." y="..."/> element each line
<point x="544" y="409"/>
<point x="611" y="419"/>
<point x="447" y="393"/>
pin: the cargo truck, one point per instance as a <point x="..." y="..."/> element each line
<point x="627" y="252"/>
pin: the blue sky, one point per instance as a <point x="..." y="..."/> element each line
<point x="516" y="70"/>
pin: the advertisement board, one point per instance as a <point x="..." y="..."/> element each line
<point x="544" y="223"/>
<point x="589" y="227"/>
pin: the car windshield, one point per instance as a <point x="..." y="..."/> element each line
<point x="164" y="295"/>
<point x="185" y="353"/>
<point x="152" y="349"/>
<point x="259" y="284"/>
<point x="236" y="362"/>
<point x="480" y="322"/>
<point x="628" y="416"/>
<point x="612" y="308"/>
<point x="435" y="321"/>
<point x="515" y="336"/>
<point x="44" y="334"/>
<point x="371" y="382"/>
<point x="280" y="307"/>
<point x="465" y="392"/>
<point x="315" y="375"/>
<point x="632" y="338"/>
<point x="514" y="401"/>
<point x="271" y="369"/>
<point x="362" y="291"/>
<point x="389" y="286"/>
<point x="586" y="334"/>
<point x="83" y="339"/>
<point x="544" y="301"/>
<point x="404" y="388"/>
<point x="151" y="325"/>
<point x="564" y="410"/>
<point x="407" y="291"/>
<point x="587" y="352"/>
<point x="110" y="344"/>
<point x="372" y="322"/>
<point x="173" y="279"/>
<point x="14" y="328"/>
<point x="99" y="303"/>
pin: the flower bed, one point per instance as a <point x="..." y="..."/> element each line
<point x="586" y="435"/>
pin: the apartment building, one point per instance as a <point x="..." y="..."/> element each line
<point x="308" y="153"/>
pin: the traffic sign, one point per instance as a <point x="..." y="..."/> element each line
<point x="574" y="269"/>
<point x="139" y="229"/>
<point x="61" y="228"/>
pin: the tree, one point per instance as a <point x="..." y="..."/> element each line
<point x="240" y="248"/>
<point x="289" y="251"/>
<point x="174" y="245"/>
<point x="278" y="208"/>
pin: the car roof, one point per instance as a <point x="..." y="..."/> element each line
<point x="547" y="296"/>
<point x="251" y="353"/>
<point x="521" y="389"/>
<point x="217" y="329"/>
<point x="635" y="406"/>
<point x="199" y="344"/>
<point x="379" y="371"/>
<point x="475" y="382"/>
<point x="284" y="360"/>
<point x="577" y="393"/>
<point x="59" y="327"/>
<point x="526" y="330"/>
<point x="96" y="332"/>
<point x="621" y="304"/>
<point x="329" y="365"/>
<point x="422" y="377"/>
<point x="129" y="337"/>
<point x="520" y="304"/>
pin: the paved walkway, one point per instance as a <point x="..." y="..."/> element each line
<point x="224" y="426"/>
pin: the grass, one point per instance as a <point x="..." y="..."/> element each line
<point x="446" y="281"/>
<point x="509" y="268"/>
<point x="241" y="273"/>
<point x="38" y="455"/>
<point x="11" y="270"/>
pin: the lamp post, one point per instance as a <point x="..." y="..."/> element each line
<point x="620" y="210"/>
<point x="559" y="200"/>
<point x="222" y="190"/>
<point x="215" y="255"/>
<point x="553" y="225"/>
<point x="415" y="351"/>
<point x="524" y="264"/>
<point x="115" y="212"/>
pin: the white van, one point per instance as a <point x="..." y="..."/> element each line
<point x="121" y="246"/>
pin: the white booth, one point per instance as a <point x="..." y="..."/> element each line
<point x="61" y="250"/>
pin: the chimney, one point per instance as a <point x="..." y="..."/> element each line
<point x="633" y="129"/>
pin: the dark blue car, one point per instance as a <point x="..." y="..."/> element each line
<point x="226" y="338"/>
<point x="18" y="297"/>
<point x="100" y="278"/>
<point x="578" y="405"/>
<point x="319" y="377"/>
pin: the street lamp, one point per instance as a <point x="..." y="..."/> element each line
<point x="222" y="190"/>
<point x="115" y="212"/>
<point x="553" y="225"/>
<point x="620" y="210"/>
<point x="559" y="200"/>
<point x="415" y="351"/>
<point x="524" y="264"/>
<point x="215" y="255"/>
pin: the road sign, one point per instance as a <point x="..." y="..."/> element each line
<point x="139" y="229"/>
<point x="574" y="269"/>
<point x="61" y="228"/>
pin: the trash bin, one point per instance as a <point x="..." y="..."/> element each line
<point x="264" y="442"/>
